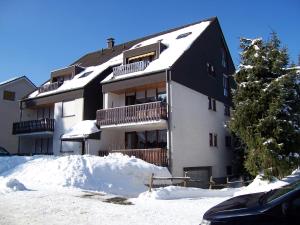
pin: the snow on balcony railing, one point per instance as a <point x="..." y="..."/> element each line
<point x="49" y="87"/>
<point x="130" y="68"/>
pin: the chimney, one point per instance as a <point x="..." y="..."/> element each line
<point x="110" y="43"/>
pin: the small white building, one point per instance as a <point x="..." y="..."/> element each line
<point x="11" y="92"/>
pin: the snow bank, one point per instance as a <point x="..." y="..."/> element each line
<point x="11" y="185"/>
<point x="261" y="185"/>
<point x="115" y="173"/>
<point x="7" y="163"/>
<point x="176" y="192"/>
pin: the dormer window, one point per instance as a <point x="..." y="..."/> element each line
<point x="148" y="57"/>
<point x="137" y="59"/>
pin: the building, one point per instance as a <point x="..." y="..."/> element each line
<point x="164" y="98"/>
<point x="11" y="92"/>
<point x="168" y="101"/>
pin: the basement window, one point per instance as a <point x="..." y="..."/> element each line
<point x="183" y="35"/>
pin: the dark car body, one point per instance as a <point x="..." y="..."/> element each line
<point x="276" y="207"/>
<point x="3" y="152"/>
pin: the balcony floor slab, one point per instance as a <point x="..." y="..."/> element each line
<point x="147" y="125"/>
<point x="43" y="134"/>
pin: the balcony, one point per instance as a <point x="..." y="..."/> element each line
<point x="156" y="156"/>
<point x="33" y="126"/>
<point x="153" y="111"/>
<point x="50" y="87"/>
<point x="130" y="68"/>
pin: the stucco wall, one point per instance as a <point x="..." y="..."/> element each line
<point x="112" y="100"/>
<point x="63" y="124"/>
<point x="190" y="125"/>
<point x="10" y="112"/>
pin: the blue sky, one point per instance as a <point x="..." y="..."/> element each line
<point x="37" y="37"/>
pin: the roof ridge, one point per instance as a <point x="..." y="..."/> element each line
<point x="147" y="37"/>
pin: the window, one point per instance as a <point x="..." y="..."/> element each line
<point x="226" y="85"/>
<point x="211" y="139"/>
<point x="146" y="139"/>
<point x="215" y="140"/>
<point x="9" y="95"/>
<point x="162" y="96"/>
<point x="68" y="108"/>
<point x="224" y="57"/>
<point x="212" y="105"/>
<point x="183" y="35"/>
<point x="226" y="110"/>
<point x="228" y="141"/>
<point x="210" y="69"/>
<point x="85" y="74"/>
<point x="130" y="98"/>
<point x="229" y="170"/>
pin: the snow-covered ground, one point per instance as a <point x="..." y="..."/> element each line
<point x="102" y="190"/>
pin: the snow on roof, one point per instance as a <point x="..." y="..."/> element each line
<point x="78" y="81"/>
<point x="81" y="130"/>
<point x="9" y="80"/>
<point x="175" y="48"/>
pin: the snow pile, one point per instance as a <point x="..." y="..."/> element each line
<point x="81" y="129"/>
<point x="176" y="192"/>
<point x="7" y="163"/>
<point x="11" y="185"/>
<point x="261" y="185"/>
<point x="115" y="173"/>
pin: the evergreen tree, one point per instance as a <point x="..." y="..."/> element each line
<point x="266" y="117"/>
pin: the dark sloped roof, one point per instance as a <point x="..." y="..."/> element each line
<point x="101" y="56"/>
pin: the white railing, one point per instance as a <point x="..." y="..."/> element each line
<point x="130" y="68"/>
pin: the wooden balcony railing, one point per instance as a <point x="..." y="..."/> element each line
<point x="157" y="156"/>
<point x="130" y="68"/>
<point x="133" y="113"/>
<point x="32" y="126"/>
<point x="50" y="87"/>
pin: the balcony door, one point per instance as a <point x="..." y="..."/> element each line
<point x="146" y="139"/>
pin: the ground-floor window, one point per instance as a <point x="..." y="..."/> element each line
<point x="43" y="146"/>
<point x="146" y="139"/>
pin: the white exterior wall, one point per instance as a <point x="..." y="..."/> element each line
<point x="190" y="125"/>
<point x="112" y="139"/>
<point x="63" y="124"/>
<point x="112" y="100"/>
<point x="10" y="112"/>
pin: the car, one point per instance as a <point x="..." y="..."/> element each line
<point x="276" y="207"/>
<point x="3" y="152"/>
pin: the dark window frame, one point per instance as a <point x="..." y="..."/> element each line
<point x="210" y="69"/>
<point x="215" y="140"/>
<point x="226" y="110"/>
<point x="9" y="95"/>
<point x="212" y="104"/>
<point x="228" y="141"/>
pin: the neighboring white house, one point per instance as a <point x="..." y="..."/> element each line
<point x="163" y="98"/>
<point x="11" y="92"/>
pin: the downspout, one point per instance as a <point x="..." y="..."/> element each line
<point x="168" y="79"/>
<point x="21" y="114"/>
